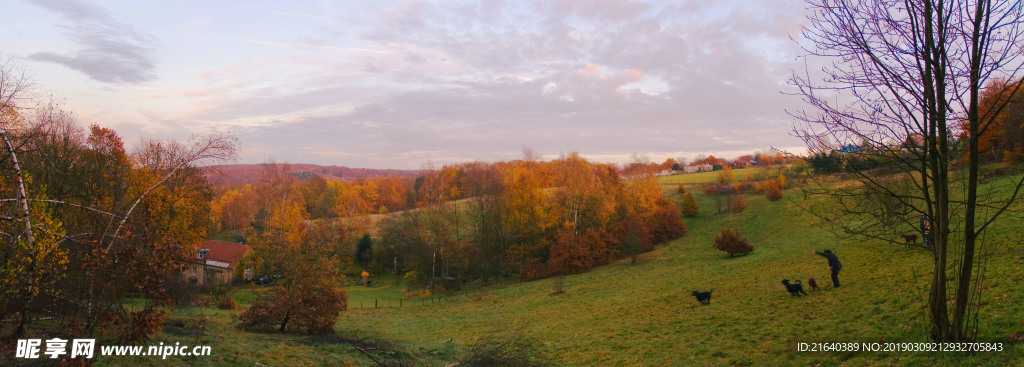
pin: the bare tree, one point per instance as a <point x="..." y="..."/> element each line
<point x="898" y="97"/>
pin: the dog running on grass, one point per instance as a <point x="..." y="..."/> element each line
<point x="703" y="297"/>
<point x="813" y="284"/>
<point x="794" y="289"/>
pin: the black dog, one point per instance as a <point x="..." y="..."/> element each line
<point x="794" y="289"/>
<point x="703" y="297"/>
<point x="812" y="283"/>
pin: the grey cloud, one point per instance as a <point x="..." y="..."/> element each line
<point x="479" y="82"/>
<point x="109" y="51"/>
<point x="496" y="118"/>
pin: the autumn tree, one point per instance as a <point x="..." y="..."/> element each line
<point x="107" y="221"/>
<point x="581" y="195"/>
<point x="403" y="243"/>
<point x="569" y="255"/>
<point x="526" y="212"/>
<point x="235" y="209"/>
<point x="308" y="298"/>
<point x="665" y="222"/>
<point x="896" y="71"/>
<point x="483" y="185"/>
<point x="1003" y="102"/>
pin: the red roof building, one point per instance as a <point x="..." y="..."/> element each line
<point x="219" y="261"/>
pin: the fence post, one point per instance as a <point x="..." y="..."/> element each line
<point x="374" y="303"/>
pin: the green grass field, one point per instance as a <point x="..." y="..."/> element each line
<point x="644" y="315"/>
<point x="741" y="174"/>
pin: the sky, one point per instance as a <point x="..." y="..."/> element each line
<point x="397" y="84"/>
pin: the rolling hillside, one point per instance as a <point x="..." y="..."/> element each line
<point x="632" y="315"/>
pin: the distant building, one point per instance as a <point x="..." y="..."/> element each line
<point x="698" y="168"/>
<point x="218" y="261"/>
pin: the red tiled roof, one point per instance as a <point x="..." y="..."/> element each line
<point x="226" y="252"/>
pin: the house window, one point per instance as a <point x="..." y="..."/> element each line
<point x="195" y="271"/>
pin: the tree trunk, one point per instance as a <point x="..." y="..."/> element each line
<point x="29" y="236"/>
<point x="284" y="322"/>
<point x="973" y="128"/>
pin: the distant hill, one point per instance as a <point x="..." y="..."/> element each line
<point x="241" y="174"/>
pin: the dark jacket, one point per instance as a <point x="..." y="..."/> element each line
<point x="833" y="260"/>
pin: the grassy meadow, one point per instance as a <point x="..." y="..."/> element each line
<point x="643" y="314"/>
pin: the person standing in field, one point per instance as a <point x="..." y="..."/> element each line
<point x="926" y="230"/>
<point x="834" y="265"/>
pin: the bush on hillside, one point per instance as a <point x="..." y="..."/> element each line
<point x="306" y="308"/>
<point x="689" y="206"/>
<point x="731" y="243"/>
<point x="227" y="303"/>
<point x="773" y="190"/>
<point x="512" y="350"/>
<point x="739" y="204"/>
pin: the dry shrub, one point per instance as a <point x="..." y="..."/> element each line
<point x="739" y="204"/>
<point x="201" y="301"/>
<point x="689" y="206"/>
<point x="514" y="350"/>
<point x="312" y="310"/>
<point x="773" y="190"/>
<point x="227" y="303"/>
<point x="732" y="243"/>
<point x="558" y="285"/>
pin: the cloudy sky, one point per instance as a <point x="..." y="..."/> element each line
<point x="394" y="84"/>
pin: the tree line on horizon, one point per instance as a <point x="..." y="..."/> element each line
<point x="462" y="222"/>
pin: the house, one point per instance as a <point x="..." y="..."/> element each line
<point x="219" y="262"/>
<point x="698" y="168"/>
<point x="743" y="164"/>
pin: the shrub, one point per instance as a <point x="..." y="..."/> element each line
<point x="309" y="308"/>
<point x="680" y="189"/>
<point x="558" y="285"/>
<point x="227" y="303"/>
<point x="689" y="206"/>
<point x="739" y="204"/>
<point x="511" y="350"/>
<point x="732" y="243"/>
<point x="773" y="190"/>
